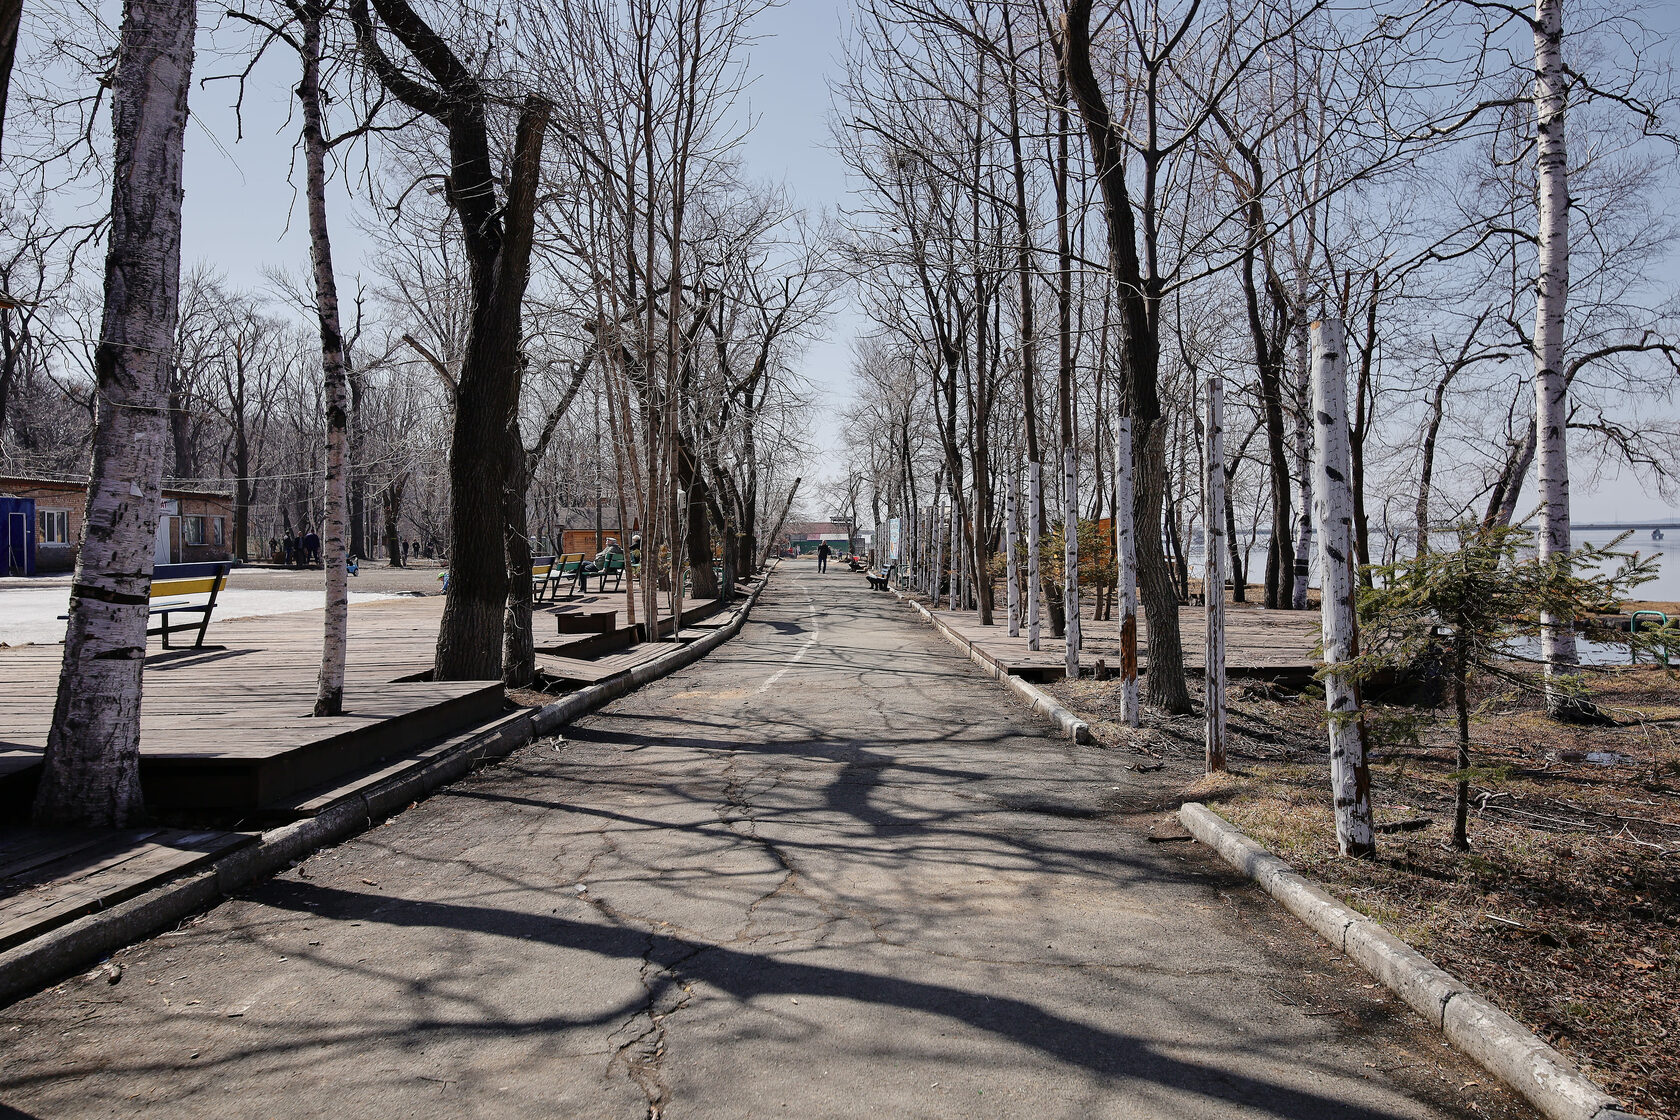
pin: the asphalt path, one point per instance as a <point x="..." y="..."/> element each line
<point x="829" y="871"/>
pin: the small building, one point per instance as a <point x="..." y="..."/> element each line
<point x="193" y="525"/>
<point x="805" y="536"/>
<point x="575" y="529"/>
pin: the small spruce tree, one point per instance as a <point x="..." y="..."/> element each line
<point x="1466" y="613"/>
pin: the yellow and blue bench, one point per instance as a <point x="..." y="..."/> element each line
<point x="541" y="568"/>
<point x="186" y="579"/>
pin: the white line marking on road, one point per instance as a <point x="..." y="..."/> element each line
<point x="816" y="633"/>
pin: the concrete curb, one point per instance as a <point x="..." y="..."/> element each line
<point x="1040" y="701"/>
<point x="1497" y="1042"/>
<point x="36" y="964"/>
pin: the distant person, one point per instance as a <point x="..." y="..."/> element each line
<point x="288" y="550"/>
<point x="405" y="552"/>
<point x="311" y="548"/>
<point x="273" y="551"/>
<point x="822" y="556"/>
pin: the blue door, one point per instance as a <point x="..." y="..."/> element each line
<point x="17" y="536"/>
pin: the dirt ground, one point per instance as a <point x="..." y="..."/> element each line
<point x="1566" y="910"/>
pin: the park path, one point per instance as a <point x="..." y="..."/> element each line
<point x="829" y="871"/>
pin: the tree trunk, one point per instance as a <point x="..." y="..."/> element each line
<point x="1035" y="504"/>
<point x="1551" y="390"/>
<point x="1011" y="536"/>
<point x="1426" y="467"/>
<point x="1461" y="705"/>
<point x="1239" y="570"/>
<point x="1125" y="556"/>
<point x="11" y="15"/>
<point x="1350" y="778"/>
<point x="1213" y="575"/>
<point x="1303" y="461"/>
<point x="519" y="658"/>
<point x="90" y="775"/>
<point x="391" y="500"/>
<point x="358" y="476"/>
<point x="699" y="541"/>
<point x="497" y="234"/>
<point x="1070" y="558"/>
<point x="329" y="690"/>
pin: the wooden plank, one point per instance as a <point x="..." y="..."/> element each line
<point x="89" y="877"/>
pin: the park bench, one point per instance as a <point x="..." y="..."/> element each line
<point x="541" y="568"/>
<point x="566" y="571"/>
<point x="878" y="580"/>
<point x="185" y="579"/>
<point x="614" y="567"/>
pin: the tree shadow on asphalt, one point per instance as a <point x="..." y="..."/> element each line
<point x="750" y="976"/>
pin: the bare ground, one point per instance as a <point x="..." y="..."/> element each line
<point x="1566" y="912"/>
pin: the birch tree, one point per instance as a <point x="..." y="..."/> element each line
<point x="1350" y="778"/>
<point x="1551" y="397"/>
<point x="91" y="771"/>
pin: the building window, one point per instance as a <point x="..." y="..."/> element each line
<point x="216" y="531"/>
<point x="192" y="530"/>
<point x="52" y="526"/>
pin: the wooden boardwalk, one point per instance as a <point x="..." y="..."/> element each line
<point x="1258" y="643"/>
<point x="228" y="732"/>
<point x="233" y="727"/>
<point x="49" y="877"/>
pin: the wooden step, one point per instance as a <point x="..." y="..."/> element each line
<point x="49" y="877"/>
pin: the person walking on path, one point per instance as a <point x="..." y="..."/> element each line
<point x="822" y="556"/>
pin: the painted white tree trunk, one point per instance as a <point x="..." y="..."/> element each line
<point x="1070" y="557"/>
<point x="1213" y="573"/>
<point x="1125" y="549"/>
<point x="1303" y="458"/>
<point x="1551" y="394"/>
<point x="90" y="776"/>
<point x="329" y="690"/>
<point x="1035" y="479"/>
<point x="1350" y="779"/>
<point x="1012" y="537"/>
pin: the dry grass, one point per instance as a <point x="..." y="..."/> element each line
<point x="1566" y="911"/>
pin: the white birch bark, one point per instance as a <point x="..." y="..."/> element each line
<point x="1035" y="479"/>
<point x="1070" y="557"/>
<point x="1125" y="549"/>
<point x="1303" y="459"/>
<point x="90" y="775"/>
<point x="1333" y="512"/>
<point x="1551" y="392"/>
<point x="1012" y="536"/>
<point x="1213" y="574"/>
<point x="329" y="690"/>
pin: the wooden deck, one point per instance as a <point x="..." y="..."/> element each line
<point x="232" y="727"/>
<point x="595" y="629"/>
<point x="1258" y="643"/>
